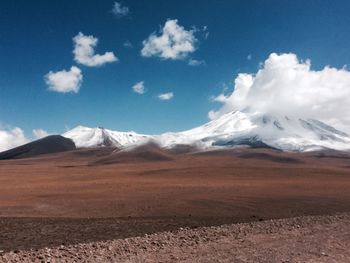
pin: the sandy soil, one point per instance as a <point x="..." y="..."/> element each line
<point x="303" y="239"/>
<point x="239" y="185"/>
<point x="98" y="195"/>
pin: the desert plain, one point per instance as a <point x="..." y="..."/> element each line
<point x="152" y="205"/>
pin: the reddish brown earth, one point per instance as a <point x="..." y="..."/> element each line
<point x="303" y="239"/>
<point x="98" y="195"/>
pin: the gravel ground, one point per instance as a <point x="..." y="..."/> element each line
<point x="300" y="239"/>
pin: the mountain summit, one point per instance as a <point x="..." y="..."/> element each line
<point x="231" y="129"/>
<point x="97" y="137"/>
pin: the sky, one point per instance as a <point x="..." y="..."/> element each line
<point x="155" y="66"/>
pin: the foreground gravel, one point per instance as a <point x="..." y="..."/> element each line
<point x="301" y="239"/>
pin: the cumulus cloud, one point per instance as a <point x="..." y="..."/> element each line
<point x="173" y="42"/>
<point x="65" y="81"/>
<point x="139" y="88"/>
<point x="84" y="52"/>
<point x="120" y="10"/>
<point x="195" y="62"/>
<point x="166" y="96"/>
<point x="40" y="133"/>
<point x="11" y="137"/>
<point x="285" y="85"/>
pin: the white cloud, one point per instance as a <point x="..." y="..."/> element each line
<point x="65" y="81"/>
<point x="206" y="32"/>
<point x="120" y="10"/>
<point x="166" y="96"/>
<point x="128" y="44"/>
<point x="139" y="87"/>
<point x="195" y="62"/>
<point x="284" y="85"/>
<point x="40" y="133"/>
<point x="11" y="137"/>
<point x="84" y="52"/>
<point x="174" y="42"/>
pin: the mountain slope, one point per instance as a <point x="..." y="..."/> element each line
<point x="49" y="144"/>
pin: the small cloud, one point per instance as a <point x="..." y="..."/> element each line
<point x="212" y="115"/>
<point x="139" y="88"/>
<point x="249" y="57"/>
<point x="128" y="44"/>
<point x="166" y="96"/>
<point x="173" y="42"/>
<point x="195" y="62"/>
<point x="11" y="137"/>
<point x="119" y="10"/>
<point x="220" y="98"/>
<point x="84" y="52"/>
<point x="65" y="81"/>
<point x="206" y="32"/>
<point x="40" y="133"/>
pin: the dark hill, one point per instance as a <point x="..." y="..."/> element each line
<point x="49" y="144"/>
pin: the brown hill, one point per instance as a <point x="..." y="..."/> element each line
<point x="150" y="152"/>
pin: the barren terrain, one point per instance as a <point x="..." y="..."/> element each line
<point x="99" y="195"/>
<point x="303" y="239"/>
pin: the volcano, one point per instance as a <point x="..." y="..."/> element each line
<point x="49" y="144"/>
<point x="232" y="129"/>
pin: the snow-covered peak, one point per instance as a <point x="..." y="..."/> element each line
<point x="282" y="132"/>
<point x="231" y="123"/>
<point x="229" y="130"/>
<point x="94" y="137"/>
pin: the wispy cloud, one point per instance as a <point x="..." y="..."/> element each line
<point x="139" y="88"/>
<point x="195" y="62"/>
<point x="84" y="52"/>
<point x="206" y="32"/>
<point x="128" y="44"/>
<point x="40" y="133"/>
<point x="119" y="10"/>
<point x="173" y="42"/>
<point x="65" y="81"/>
<point x="166" y="96"/>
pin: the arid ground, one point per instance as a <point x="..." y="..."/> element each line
<point x="98" y="195"/>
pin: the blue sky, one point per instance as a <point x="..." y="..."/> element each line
<point x="36" y="37"/>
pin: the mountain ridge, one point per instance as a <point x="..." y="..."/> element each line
<point x="230" y="130"/>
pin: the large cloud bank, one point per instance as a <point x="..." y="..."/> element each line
<point x="285" y="85"/>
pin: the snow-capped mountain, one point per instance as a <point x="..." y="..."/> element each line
<point x="231" y="129"/>
<point x="94" y="137"/>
